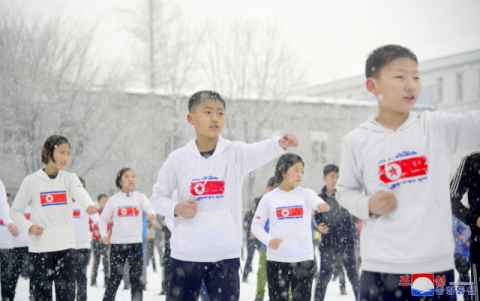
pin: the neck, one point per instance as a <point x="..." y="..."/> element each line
<point x="330" y="191"/>
<point x="391" y="120"/>
<point x="285" y="187"/>
<point x="127" y="191"/>
<point x="206" y="144"/>
<point x="51" y="170"/>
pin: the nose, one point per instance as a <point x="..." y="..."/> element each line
<point x="410" y="85"/>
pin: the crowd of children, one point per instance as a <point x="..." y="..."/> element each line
<point x="393" y="176"/>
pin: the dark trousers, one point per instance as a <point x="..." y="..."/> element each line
<point x="82" y="257"/>
<point x="19" y="259"/>
<point x="248" y="264"/>
<point x="382" y="286"/>
<point x="118" y="254"/>
<point x="463" y="267"/>
<point x="282" y="275"/>
<point x="221" y="280"/>
<point x="328" y="259"/>
<point x="166" y="258"/>
<point x="151" y="255"/>
<point x="5" y="257"/>
<point x="49" y="267"/>
<point x="99" y="249"/>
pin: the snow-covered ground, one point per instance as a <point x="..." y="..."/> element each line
<point x="247" y="293"/>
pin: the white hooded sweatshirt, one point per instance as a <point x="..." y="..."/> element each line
<point x="6" y="239"/>
<point x="50" y="202"/>
<point x="215" y="233"/>
<point x="81" y="226"/>
<point x="417" y="236"/>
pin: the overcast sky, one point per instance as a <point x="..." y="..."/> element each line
<point x="332" y="38"/>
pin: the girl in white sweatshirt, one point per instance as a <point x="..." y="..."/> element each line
<point x="290" y="249"/>
<point x="127" y="207"/>
<point x="51" y="240"/>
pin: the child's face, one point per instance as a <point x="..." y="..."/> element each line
<point x="398" y="87"/>
<point x="294" y="175"/>
<point x="128" y="181"/>
<point x="331" y="180"/>
<point x="103" y="202"/>
<point x="61" y="155"/>
<point x="208" y="118"/>
<point x="9" y="201"/>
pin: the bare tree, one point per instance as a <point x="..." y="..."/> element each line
<point x="250" y="62"/>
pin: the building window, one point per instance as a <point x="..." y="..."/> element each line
<point x="440" y="90"/>
<point x="459" y="86"/>
<point x="319" y="151"/>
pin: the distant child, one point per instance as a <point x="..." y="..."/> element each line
<point x="99" y="249"/>
<point x="252" y="242"/>
<point x="394" y="175"/>
<point x="462" y="252"/>
<point x="7" y="231"/>
<point x="127" y="208"/>
<point x="339" y="234"/>
<point x="290" y="260"/>
<point x="209" y="173"/>
<point x="51" y="239"/>
<point x="83" y="245"/>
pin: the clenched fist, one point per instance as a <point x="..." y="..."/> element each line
<point x="106" y="240"/>
<point x="36" y="230"/>
<point x="12" y="228"/>
<point x="275" y="243"/>
<point x="92" y="209"/>
<point x="323" y="228"/>
<point x="187" y="209"/>
<point x="382" y="203"/>
<point x="289" y="140"/>
<point x="323" y="207"/>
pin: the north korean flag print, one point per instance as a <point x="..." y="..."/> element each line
<point x="2" y="223"/>
<point x="209" y="188"/>
<point x="27" y="216"/>
<point x="53" y="198"/>
<point x="290" y="212"/>
<point x="76" y="213"/>
<point x="402" y="169"/>
<point x="127" y="211"/>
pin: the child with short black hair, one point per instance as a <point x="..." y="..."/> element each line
<point x="51" y="239"/>
<point x="290" y="258"/>
<point x="99" y="249"/>
<point x="207" y="233"/>
<point x="127" y="208"/>
<point x="401" y="161"/>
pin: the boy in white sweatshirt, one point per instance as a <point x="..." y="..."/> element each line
<point x="51" y="240"/>
<point x="401" y="161"/>
<point x="208" y="173"/>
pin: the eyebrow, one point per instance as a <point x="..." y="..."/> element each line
<point x="403" y="70"/>
<point x="211" y="108"/>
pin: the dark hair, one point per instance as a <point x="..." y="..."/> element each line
<point x="330" y="168"/>
<point x="100" y="196"/>
<point x="119" y="176"/>
<point x="271" y="182"/>
<point x="83" y="182"/>
<point x="200" y="96"/>
<point x="256" y="201"/>
<point x="381" y="56"/>
<point x="50" y="145"/>
<point x="284" y="163"/>
<point x="9" y="195"/>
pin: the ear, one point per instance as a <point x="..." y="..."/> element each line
<point x="190" y="119"/>
<point x="372" y="85"/>
<point x="325" y="178"/>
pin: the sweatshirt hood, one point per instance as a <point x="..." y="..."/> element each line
<point x="219" y="148"/>
<point x="123" y="195"/>
<point x="43" y="175"/>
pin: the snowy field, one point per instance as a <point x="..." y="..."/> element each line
<point x="154" y="279"/>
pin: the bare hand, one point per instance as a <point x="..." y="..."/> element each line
<point x="92" y="209"/>
<point x="323" y="228"/>
<point x="323" y="207"/>
<point x="187" y="209"/>
<point x="463" y="238"/>
<point x="275" y="243"/>
<point x="12" y="228"/>
<point x="478" y="222"/>
<point x="252" y="236"/>
<point x="36" y="230"/>
<point x="110" y="221"/>
<point x="467" y="243"/>
<point x="106" y="240"/>
<point x="151" y="217"/>
<point x="382" y="203"/>
<point x="96" y="232"/>
<point x="289" y="140"/>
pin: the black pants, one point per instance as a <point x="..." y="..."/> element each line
<point x="118" y="254"/>
<point x="382" y="286"/>
<point x="151" y="255"/>
<point x="328" y="259"/>
<point x="19" y="259"/>
<point x="45" y="268"/>
<point x="248" y="264"/>
<point x="82" y="257"/>
<point x="282" y="275"/>
<point x="463" y="267"/>
<point x="221" y="280"/>
<point x="5" y="257"/>
<point x="166" y="258"/>
<point x="99" y="250"/>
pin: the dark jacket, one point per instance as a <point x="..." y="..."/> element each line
<point x="467" y="180"/>
<point x="247" y="226"/>
<point x="342" y="230"/>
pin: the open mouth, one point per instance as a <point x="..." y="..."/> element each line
<point x="409" y="97"/>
